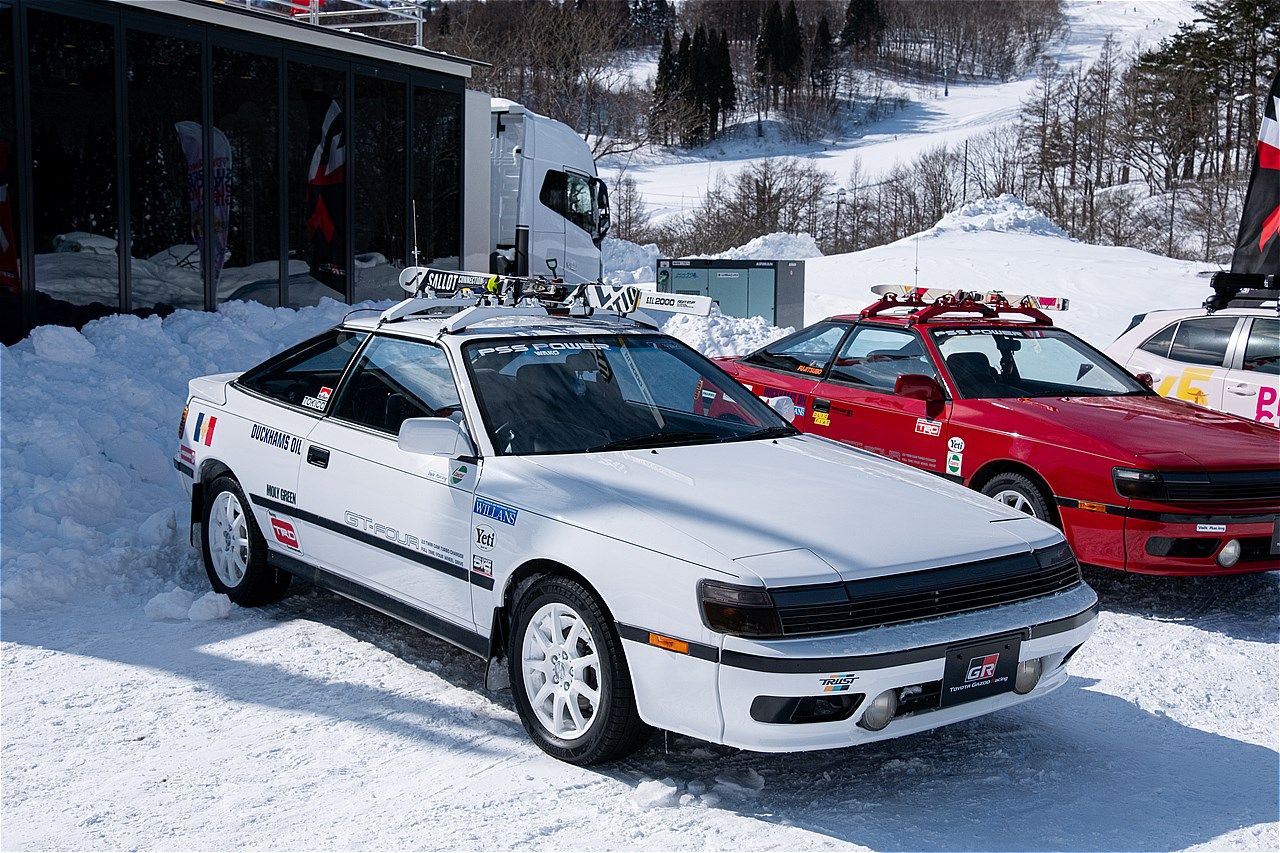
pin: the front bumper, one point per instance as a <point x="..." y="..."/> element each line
<point x="1168" y="544"/>
<point x="722" y="684"/>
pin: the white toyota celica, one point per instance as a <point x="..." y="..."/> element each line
<point x="641" y="540"/>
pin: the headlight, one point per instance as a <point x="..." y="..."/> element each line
<point x="1054" y="555"/>
<point x="1135" y="483"/>
<point x="745" y="611"/>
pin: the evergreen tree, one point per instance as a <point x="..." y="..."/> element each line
<point x="685" y="99"/>
<point x="864" y="25"/>
<point x="790" y="56"/>
<point x="726" y="87"/>
<point x="768" y="45"/>
<point x="822" y="66"/>
<point x="664" y="87"/>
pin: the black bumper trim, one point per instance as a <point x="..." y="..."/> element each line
<point x="185" y="468"/>
<point x="886" y="660"/>
<point x="1172" y="517"/>
<point x="702" y="651"/>
<point x="463" y="638"/>
<point x="459" y="572"/>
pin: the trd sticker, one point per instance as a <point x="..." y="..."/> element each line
<point x="822" y="419"/>
<point x="188" y="454"/>
<point x="982" y="668"/>
<point x="202" y="432"/>
<point x="955" y="444"/>
<point x="276" y="438"/>
<point x="924" y="426"/>
<point x="1211" y="528"/>
<point x="283" y="495"/>
<point x="284" y="533"/>
<point x="485" y="537"/>
<point x="482" y="566"/>
<point x="498" y="512"/>
<point x="837" y="683"/>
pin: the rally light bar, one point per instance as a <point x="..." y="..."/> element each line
<point x="1242" y="290"/>
<point x="927" y="303"/>
<point x="473" y="297"/>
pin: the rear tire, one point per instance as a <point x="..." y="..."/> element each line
<point x="235" y="553"/>
<point x="569" y="675"/>
<point x="1020" y="492"/>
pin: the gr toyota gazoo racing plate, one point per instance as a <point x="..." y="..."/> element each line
<point x="641" y="540"/>
<point x="984" y="390"/>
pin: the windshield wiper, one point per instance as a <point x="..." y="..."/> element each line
<point x="656" y="439"/>
<point x="766" y="432"/>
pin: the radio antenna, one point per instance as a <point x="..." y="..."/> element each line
<point x="414" y="203"/>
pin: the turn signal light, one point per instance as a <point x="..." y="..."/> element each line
<point x="671" y="644"/>
<point x="182" y="424"/>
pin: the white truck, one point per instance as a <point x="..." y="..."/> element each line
<point x="549" y="211"/>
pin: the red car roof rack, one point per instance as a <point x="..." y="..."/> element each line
<point x="961" y="302"/>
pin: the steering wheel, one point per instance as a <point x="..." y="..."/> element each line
<point x="509" y="433"/>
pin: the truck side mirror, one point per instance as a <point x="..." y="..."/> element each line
<point x="917" y="386"/>
<point x="434" y="437"/>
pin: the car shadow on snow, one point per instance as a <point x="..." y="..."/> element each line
<point x="1246" y="607"/>
<point x="1079" y="770"/>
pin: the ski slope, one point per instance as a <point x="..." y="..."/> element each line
<point x="132" y="722"/>
<point x="673" y="182"/>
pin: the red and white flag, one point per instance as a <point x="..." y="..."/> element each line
<point x="1258" y="245"/>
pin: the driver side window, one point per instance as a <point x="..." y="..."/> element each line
<point x="395" y="380"/>
<point x="874" y="358"/>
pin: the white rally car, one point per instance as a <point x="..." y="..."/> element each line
<point x="641" y="540"/>
<point x="1224" y="356"/>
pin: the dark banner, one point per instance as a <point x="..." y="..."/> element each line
<point x="1258" y="246"/>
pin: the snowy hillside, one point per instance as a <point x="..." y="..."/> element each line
<point x="672" y="182"/>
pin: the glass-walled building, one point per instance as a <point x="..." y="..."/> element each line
<point x="180" y="154"/>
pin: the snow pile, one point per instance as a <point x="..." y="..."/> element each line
<point x="1006" y="213"/>
<point x="625" y="262"/>
<point x="656" y="794"/>
<point x="91" y="504"/>
<point x="777" y="246"/>
<point x="719" y="334"/>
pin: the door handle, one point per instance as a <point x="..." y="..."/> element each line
<point x="1242" y="390"/>
<point x="317" y="456"/>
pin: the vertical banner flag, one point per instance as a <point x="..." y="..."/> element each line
<point x="1258" y="246"/>
<point x="190" y="134"/>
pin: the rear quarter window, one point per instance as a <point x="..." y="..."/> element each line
<point x="306" y="374"/>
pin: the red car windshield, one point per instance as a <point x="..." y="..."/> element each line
<point x="990" y="363"/>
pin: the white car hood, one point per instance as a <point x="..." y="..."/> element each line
<point x="834" y="509"/>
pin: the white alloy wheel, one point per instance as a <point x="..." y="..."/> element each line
<point x="1015" y="500"/>
<point x="228" y="539"/>
<point x="561" y="668"/>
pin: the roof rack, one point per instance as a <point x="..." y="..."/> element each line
<point x="469" y="298"/>
<point x="990" y="305"/>
<point x="1242" y="290"/>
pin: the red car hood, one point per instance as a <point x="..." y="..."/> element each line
<point x="1167" y="433"/>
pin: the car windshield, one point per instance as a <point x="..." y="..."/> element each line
<point x="988" y="363"/>
<point x="609" y="392"/>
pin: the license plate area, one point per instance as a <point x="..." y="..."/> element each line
<point x="979" y="670"/>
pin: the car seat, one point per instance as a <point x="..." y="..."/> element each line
<point x="974" y="374"/>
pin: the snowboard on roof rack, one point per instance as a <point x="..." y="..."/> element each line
<point x="991" y="297"/>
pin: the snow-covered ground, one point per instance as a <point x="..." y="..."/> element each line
<point x="317" y="724"/>
<point x="673" y="182"/>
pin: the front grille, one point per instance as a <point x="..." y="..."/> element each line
<point x="926" y="594"/>
<point x="1223" y="485"/>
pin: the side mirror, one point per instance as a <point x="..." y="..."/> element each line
<point x="434" y="437"/>
<point x="1147" y="380"/>
<point x="917" y="386"/>
<point x="783" y="406"/>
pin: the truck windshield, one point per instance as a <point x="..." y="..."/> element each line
<point x="990" y="363"/>
<point x="589" y="394"/>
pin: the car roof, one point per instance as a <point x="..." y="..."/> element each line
<point x="1178" y="313"/>
<point x="497" y="327"/>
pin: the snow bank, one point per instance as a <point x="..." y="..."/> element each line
<point x="1006" y="213"/>
<point x="719" y="334"/>
<point x="776" y="246"/>
<point x="625" y="262"/>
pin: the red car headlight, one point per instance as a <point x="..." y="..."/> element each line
<point x="1136" y="483"/>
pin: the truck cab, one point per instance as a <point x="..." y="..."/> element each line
<point x="549" y="210"/>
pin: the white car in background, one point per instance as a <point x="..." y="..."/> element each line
<point x="641" y="540"/>
<point x="1226" y="359"/>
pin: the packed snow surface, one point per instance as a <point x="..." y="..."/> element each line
<point x="142" y="710"/>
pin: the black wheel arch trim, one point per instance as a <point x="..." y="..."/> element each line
<point x="885" y="660"/>
<point x="464" y="638"/>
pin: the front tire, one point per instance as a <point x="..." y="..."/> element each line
<point x="1020" y="492"/>
<point x="235" y="553"/>
<point x="569" y="675"/>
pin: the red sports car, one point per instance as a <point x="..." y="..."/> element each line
<point x="990" y="394"/>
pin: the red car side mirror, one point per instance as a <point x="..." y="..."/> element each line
<point x="1146" y="379"/>
<point x="917" y="386"/>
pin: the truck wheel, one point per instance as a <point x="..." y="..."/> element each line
<point x="235" y="554"/>
<point x="1021" y="493"/>
<point x="569" y="676"/>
